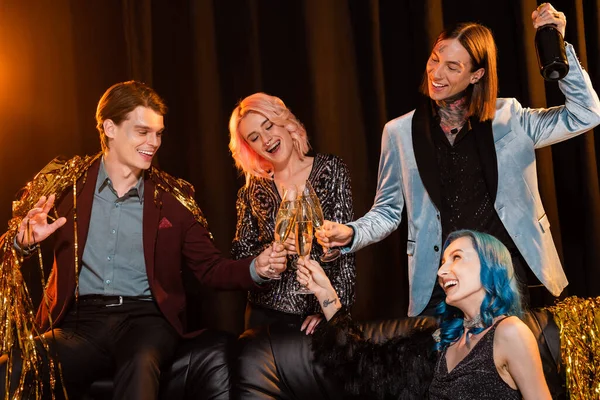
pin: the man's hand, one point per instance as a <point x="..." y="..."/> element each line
<point x="271" y="262"/>
<point x="310" y="323"/>
<point x="334" y="235"/>
<point x="546" y="14"/>
<point x="34" y="227"/>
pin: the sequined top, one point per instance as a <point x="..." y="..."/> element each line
<point x="257" y="206"/>
<point x="474" y="377"/>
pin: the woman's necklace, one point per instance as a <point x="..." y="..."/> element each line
<point x="475" y="322"/>
<point x="470" y="325"/>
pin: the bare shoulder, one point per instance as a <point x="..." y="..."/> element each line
<point x="513" y="332"/>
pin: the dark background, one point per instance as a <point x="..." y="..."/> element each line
<point x="344" y="67"/>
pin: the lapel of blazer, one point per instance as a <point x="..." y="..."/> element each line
<point x="85" y="198"/>
<point x="487" y="154"/>
<point x="425" y="152"/>
<point x="84" y="207"/>
<point x="150" y="226"/>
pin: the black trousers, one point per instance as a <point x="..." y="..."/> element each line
<point x="132" y="342"/>
<point x="257" y="316"/>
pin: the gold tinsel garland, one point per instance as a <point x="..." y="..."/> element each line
<point x="578" y="321"/>
<point x="18" y="329"/>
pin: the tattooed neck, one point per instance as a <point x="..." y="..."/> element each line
<point x="453" y="114"/>
<point x="328" y="302"/>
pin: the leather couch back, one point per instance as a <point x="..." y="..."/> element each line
<point x="277" y="361"/>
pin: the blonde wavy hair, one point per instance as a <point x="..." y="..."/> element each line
<point x="274" y="109"/>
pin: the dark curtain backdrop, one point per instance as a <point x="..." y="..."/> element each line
<point x="343" y="67"/>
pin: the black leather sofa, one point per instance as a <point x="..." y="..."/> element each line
<point x="277" y="362"/>
<point x="200" y="370"/>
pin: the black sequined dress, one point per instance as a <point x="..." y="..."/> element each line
<point x="475" y="377"/>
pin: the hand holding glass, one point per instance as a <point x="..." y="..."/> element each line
<point x="309" y="196"/>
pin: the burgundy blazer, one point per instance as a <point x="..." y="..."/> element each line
<point x="172" y="239"/>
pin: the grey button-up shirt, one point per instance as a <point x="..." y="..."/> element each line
<point x="113" y="258"/>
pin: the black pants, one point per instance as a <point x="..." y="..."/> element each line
<point x="132" y="342"/>
<point x="257" y="316"/>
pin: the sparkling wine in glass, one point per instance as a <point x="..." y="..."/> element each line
<point x="285" y="220"/>
<point x="310" y="197"/>
<point x="286" y="216"/>
<point x="304" y="236"/>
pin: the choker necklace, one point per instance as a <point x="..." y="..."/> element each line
<point x="469" y="324"/>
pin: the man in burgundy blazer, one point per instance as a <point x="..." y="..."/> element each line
<point x="171" y="238"/>
<point x="115" y="299"/>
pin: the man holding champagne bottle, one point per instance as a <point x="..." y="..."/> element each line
<point x="465" y="159"/>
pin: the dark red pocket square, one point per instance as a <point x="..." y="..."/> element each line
<point x="164" y="223"/>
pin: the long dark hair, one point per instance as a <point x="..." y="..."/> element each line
<point x="479" y="43"/>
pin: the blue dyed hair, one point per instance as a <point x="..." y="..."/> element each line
<point x="497" y="275"/>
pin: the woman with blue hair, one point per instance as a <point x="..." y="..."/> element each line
<point x="484" y="350"/>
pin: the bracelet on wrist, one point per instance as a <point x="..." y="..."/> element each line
<point x="28" y="250"/>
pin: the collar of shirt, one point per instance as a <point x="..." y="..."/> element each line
<point x="104" y="182"/>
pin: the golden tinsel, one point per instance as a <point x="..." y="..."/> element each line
<point x="19" y="330"/>
<point x="578" y="321"/>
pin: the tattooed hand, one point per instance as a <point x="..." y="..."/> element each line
<point x="311" y="275"/>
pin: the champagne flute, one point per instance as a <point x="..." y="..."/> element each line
<point x="286" y="216"/>
<point x="309" y="195"/>
<point x="304" y="236"/>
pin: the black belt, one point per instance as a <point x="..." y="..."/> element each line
<point x="110" y="301"/>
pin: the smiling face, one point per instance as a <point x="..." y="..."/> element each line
<point x="271" y="142"/>
<point x="133" y="143"/>
<point x="460" y="276"/>
<point x="449" y="71"/>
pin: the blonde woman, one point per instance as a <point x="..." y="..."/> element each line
<point x="270" y="147"/>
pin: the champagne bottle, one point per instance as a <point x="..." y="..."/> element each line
<point x="551" y="53"/>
